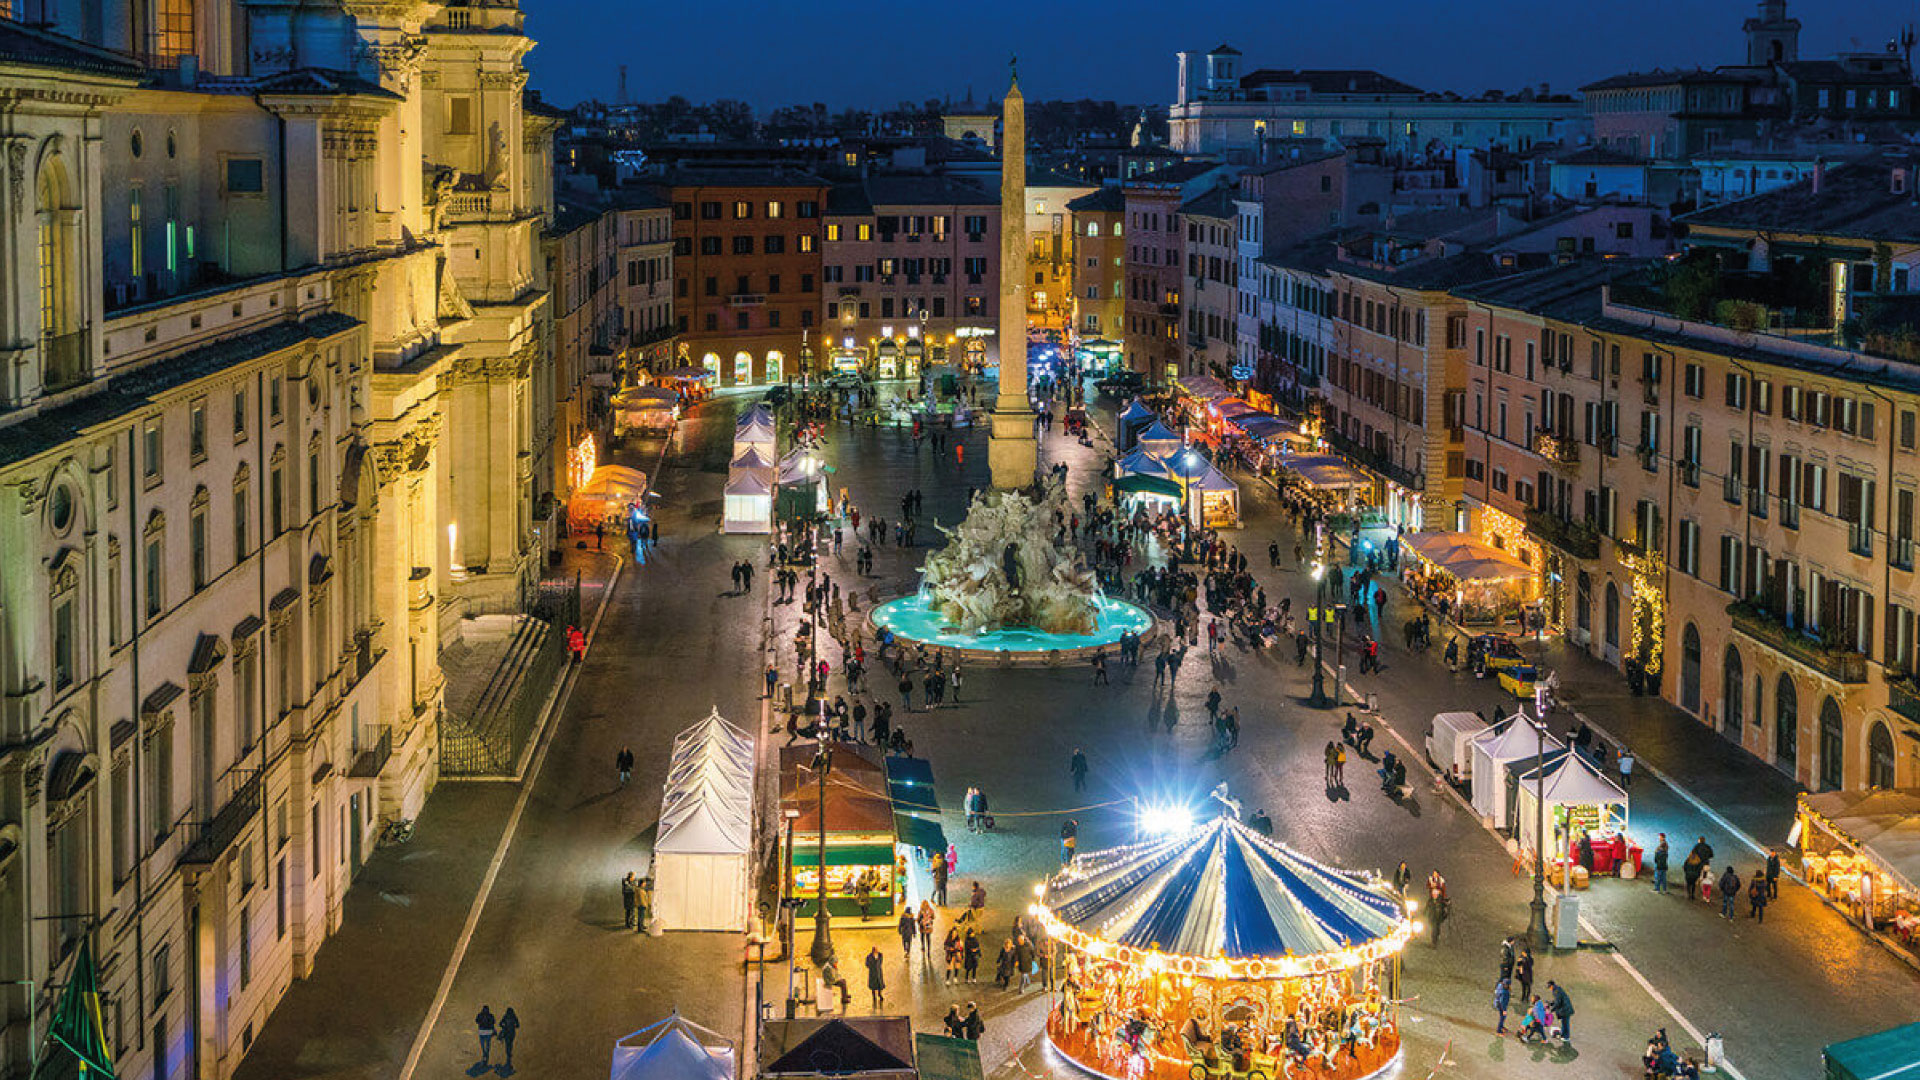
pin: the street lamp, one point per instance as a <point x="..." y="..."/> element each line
<point x="822" y="950"/>
<point x="1319" y="613"/>
<point x="1537" y="917"/>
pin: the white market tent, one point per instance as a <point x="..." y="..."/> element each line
<point x="750" y="457"/>
<point x="749" y="502"/>
<point x="706" y="830"/>
<point x="1570" y="781"/>
<point x="673" y="1049"/>
<point x="1158" y="440"/>
<point x="755" y="429"/>
<point x="1509" y="740"/>
<point x="1213" y="500"/>
<point x="1138" y="462"/>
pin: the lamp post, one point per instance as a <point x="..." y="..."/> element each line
<point x="822" y="950"/>
<point x="1319" y="699"/>
<point x="1537" y="917"/>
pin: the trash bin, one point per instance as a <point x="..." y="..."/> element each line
<point x="1716" y="1052"/>
<point x="1565" y="920"/>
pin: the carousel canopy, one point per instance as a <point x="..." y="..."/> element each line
<point x="1466" y="557"/>
<point x="1222" y="891"/>
<point x="1138" y="462"/>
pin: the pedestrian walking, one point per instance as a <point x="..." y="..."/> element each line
<point x="1023" y="959"/>
<point x="1003" y="964"/>
<point x="1439" y="904"/>
<point x="1626" y="764"/>
<point x="1069" y="839"/>
<point x="1100" y="668"/>
<point x="1160" y="668"/>
<point x="773" y="680"/>
<point x="1339" y="765"/>
<point x="1773" y="874"/>
<point x="484" y="1024"/>
<point x="1523" y="971"/>
<point x="909" y="929"/>
<point x="629" y="891"/>
<point x="926" y="931"/>
<point x="876" y="978"/>
<point x="1502" y="999"/>
<point x="939" y="869"/>
<point x="1402" y="878"/>
<point x="623" y="762"/>
<point x="974" y="1026"/>
<point x="1690" y="872"/>
<point x="1562" y="1010"/>
<point x="1660" y="865"/>
<point x="1078" y="767"/>
<point x="1729" y="887"/>
<point x="1330" y="754"/>
<point x="643" y="902"/>
<point x="509" y="1027"/>
<point x="977" y="903"/>
<point x="970" y="956"/>
<point x="1757" y="897"/>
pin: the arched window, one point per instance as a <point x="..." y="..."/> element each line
<point x="1879" y="756"/>
<point x="69" y="787"/>
<point x="1786" y="724"/>
<point x="1733" y="710"/>
<point x="1690" y="669"/>
<point x="1833" y="746"/>
<point x="63" y="363"/>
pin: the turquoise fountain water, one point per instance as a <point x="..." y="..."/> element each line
<point x="913" y="618"/>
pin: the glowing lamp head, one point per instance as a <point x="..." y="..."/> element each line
<point x="1166" y="820"/>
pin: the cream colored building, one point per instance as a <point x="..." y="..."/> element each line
<point x="274" y="334"/>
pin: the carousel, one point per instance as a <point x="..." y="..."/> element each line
<point x="1220" y="953"/>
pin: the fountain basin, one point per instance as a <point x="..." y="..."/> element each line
<point x="913" y="619"/>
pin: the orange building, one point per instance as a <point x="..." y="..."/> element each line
<point x="746" y="269"/>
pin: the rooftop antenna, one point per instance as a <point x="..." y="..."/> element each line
<point x="623" y="84"/>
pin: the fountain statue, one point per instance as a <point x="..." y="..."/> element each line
<point x="1001" y="568"/>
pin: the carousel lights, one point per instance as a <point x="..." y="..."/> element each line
<point x="1166" y="820"/>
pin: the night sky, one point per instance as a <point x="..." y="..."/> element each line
<point x="865" y="53"/>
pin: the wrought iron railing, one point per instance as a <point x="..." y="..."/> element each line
<point x="1837" y="662"/>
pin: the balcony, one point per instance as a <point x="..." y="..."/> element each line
<point x="1555" y="447"/>
<point x="1730" y="489"/>
<point x="746" y="299"/>
<point x="1839" y="663"/>
<point x="1900" y="553"/>
<point x="1171" y="311"/>
<point x="209" y="839"/>
<point x="1860" y="537"/>
<point x="368" y="764"/>
<point x="1360" y="454"/>
<point x="1903" y="697"/>
<point x="1650" y="393"/>
<point x="1577" y="538"/>
<point x="1649" y="458"/>
<point x="65" y="359"/>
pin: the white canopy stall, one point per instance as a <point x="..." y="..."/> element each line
<point x="1578" y="799"/>
<point x="1512" y="739"/>
<point x="754" y="429"/>
<point x="673" y="1049"/>
<point x="706" y="830"/>
<point x="749" y="502"/>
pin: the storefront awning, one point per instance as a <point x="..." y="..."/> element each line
<point x="1204" y="387"/>
<point x="1140" y="484"/>
<point x="1326" y="473"/>
<point x="806" y="852"/>
<point x="1466" y="557"/>
<point x="1882" y="825"/>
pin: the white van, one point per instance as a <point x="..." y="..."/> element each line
<point x="1449" y="745"/>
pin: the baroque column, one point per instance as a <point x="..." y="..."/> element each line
<point x="1012" y="453"/>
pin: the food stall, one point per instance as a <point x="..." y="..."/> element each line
<point x="748" y="502"/>
<point x="1220" y="950"/>
<point x="643" y="410"/>
<point x="1863" y="849"/>
<point x="1098" y="356"/>
<point x="1579" y="801"/>
<point x="1510" y="740"/>
<point x="607" y="498"/>
<point x="1213" y="500"/>
<point x="1332" y="484"/>
<point x="1475" y="583"/>
<point x="860" y="858"/>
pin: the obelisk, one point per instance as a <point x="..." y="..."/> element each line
<point x="1012" y="453"/>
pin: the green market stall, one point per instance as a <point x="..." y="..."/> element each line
<point x="858" y="837"/>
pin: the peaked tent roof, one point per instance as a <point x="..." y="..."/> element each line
<point x="1214" y="480"/>
<point x="1572" y="779"/>
<point x="707" y="804"/>
<point x="750" y="458"/>
<point x="714" y="1060"/>
<point x="1188" y="465"/>
<point x="837" y="1048"/>
<point x="1138" y="462"/>
<point x="1137" y="410"/>
<point x="1156" y="432"/>
<point x="749" y="482"/>
<point x="1510" y="740"/>
<point x="1222" y="891"/>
